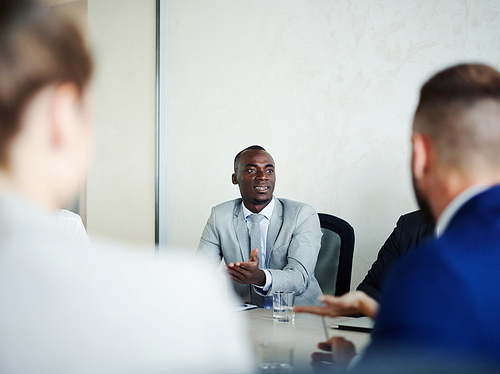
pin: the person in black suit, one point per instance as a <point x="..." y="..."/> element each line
<point x="411" y="229"/>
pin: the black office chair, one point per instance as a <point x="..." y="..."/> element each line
<point x="334" y="267"/>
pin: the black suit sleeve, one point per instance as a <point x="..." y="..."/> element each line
<point x="410" y="229"/>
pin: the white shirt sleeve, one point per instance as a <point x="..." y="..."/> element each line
<point x="269" y="282"/>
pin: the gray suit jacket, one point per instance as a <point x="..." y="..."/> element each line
<point x="293" y="242"/>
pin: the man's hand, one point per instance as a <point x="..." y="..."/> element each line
<point x="342" y="351"/>
<point x="349" y="303"/>
<point x="247" y="272"/>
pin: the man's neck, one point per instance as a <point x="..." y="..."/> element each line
<point x="452" y="183"/>
<point x="256" y="208"/>
<point x="22" y="185"/>
<point x="452" y="189"/>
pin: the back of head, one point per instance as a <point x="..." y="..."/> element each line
<point x="37" y="49"/>
<point x="459" y="109"/>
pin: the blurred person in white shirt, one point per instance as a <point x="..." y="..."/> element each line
<point x="103" y="309"/>
<point x="71" y="223"/>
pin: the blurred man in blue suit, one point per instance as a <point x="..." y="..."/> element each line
<point x="443" y="301"/>
<point x="440" y="306"/>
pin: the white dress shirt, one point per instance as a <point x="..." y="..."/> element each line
<point x="267" y="212"/>
<point x="71" y="223"/>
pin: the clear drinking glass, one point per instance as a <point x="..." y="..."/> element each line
<point x="283" y="302"/>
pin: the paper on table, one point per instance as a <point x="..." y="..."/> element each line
<point x="241" y="307"/>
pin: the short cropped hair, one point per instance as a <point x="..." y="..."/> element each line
<point x="37" y="48"/>
<point x="237" y="157"/>
<point x="459" y="109"/>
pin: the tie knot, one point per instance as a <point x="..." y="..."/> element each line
<point x="256" y="217"/>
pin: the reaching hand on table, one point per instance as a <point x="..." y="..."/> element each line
<point x="247" y="272"/>
<point x="342" y="352"/>
<point x="349" y="303"/>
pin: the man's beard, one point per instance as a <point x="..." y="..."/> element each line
<point x="425" y="208"/>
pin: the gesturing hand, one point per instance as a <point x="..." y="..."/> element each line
<point x="247" y="272"/>
<point x="349" y="303"/>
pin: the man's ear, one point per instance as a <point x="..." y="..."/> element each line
<point x="422" y="155"/>
<point x="233" y="178"/>
<point x="63" y="114"/>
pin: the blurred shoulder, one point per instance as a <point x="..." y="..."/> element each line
<point x="413" y="218"/>
<point x="171" y="260"/>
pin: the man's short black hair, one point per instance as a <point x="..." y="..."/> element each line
<point x="237" y="158"/>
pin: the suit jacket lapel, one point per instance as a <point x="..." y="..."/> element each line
<point x="240" y="227"/>
<point x="274" y="229"/>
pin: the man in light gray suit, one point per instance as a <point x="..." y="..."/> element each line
<point x="268" y="244"/>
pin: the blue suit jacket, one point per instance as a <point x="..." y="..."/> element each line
<point x="444" y="299"/>
<point x="293" y="242"/>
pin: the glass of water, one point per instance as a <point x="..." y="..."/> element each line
<point x="283" y="302"/>
<point x="275" y="357"/>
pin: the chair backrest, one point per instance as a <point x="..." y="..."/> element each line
<point x="334" y="267"/>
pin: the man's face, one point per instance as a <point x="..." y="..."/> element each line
<point x="255" y="177"/>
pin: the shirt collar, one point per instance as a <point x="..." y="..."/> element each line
<point x="453" y="207"/>
<point x="266" y="212"/>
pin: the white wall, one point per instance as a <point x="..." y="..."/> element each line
<point x="121" y="183"/>
<point x="328" y="87"/>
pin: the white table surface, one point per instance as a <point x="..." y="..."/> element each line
<point x="304" y="333"/>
